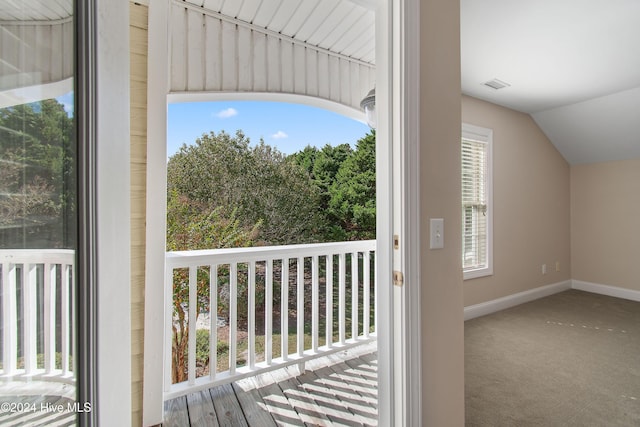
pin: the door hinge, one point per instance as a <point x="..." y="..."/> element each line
<point x="396" y="241"/>
<point x="398" y="278"/>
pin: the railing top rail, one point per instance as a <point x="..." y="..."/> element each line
<point x="37" y="256"/>
<point x="262" y="253"/>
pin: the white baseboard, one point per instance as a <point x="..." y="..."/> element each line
<point x="489" y="307"/>
<point x="611" y="291"/>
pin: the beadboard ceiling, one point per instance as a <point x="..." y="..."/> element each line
<point x="35" y="10"/>
<point x="341" y="26"/>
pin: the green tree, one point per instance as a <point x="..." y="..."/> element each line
<point x="191" y="225"/>
<point x="37" y="177"/>
<point x="323" y="165"/>
<point x="353" y="192"/>
<point x="259" y="183"/>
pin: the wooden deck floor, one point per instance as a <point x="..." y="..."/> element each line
<point x="37" y="403"/>
<point x="339" y="389"/>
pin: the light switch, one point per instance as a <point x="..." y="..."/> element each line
<point x="437" y="233"/>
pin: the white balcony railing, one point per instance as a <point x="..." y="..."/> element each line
<point x="333" y="283"/>
<point x="37" y="314"/>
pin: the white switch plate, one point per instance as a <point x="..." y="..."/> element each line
<point x="437" y="233"/>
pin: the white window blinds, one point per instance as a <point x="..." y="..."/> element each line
<point x="476" y="203"/>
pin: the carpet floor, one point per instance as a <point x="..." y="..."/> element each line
<point x="570" y="359"/>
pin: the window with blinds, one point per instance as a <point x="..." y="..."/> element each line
<point x="476" y="202"/>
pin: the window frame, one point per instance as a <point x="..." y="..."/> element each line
<point x="482" y="135"/>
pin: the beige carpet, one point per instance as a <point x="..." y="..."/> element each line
<point x="571" y="359"/>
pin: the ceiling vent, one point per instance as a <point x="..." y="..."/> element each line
<point x="496" y="84"/>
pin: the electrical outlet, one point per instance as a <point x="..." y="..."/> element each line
<point x="544" y="268"/>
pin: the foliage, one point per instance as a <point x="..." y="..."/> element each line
<point x="191" y="226"/>
<point x="323" y="165"/>
<point x="259" y="183"/>
<point x="353" y="193"/>
<point x="345" y="180"/>
<point x="222" y="192"/>
<point x="37" y="177"/>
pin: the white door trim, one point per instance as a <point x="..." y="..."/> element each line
<point x="409" y="47"/>
<point x="157" y="88"/>
<point x="398" y="171"/>
<point x="398" y="209"/>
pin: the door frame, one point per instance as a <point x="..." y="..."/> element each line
<point x="397" y="169"/>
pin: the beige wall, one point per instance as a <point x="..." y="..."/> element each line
<point x="531" y="205"/>
<point x="441" y="291"/>
<point x="138" y="95"/>
<point x="605" y="207"/>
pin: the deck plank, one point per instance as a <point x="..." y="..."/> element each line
<point x="304" y="404"/>
<point x="176" y="412"/>
<point x="201" y="409"/>
<point x="339" y="389"/>
<point x="362" y="400"/>
<point x="276" y="402"/>
<point x="37" y="414"/>
<point x="335" y="399"/>
<point x="254" y="408"/>
<point x="227" y="407"/>
<point x="361" y="379"/>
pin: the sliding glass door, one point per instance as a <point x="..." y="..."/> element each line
<point x="40" y="211"/>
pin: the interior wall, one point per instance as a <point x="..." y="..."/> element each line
<point x="441" y="275"/>
<point x="605" y="201"/>
<point x="531" y="187"/>
<point x="138" y="26"/>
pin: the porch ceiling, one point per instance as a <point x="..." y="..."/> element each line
<point x="315" y="48"/>
<point x="341" y="26"/>
<point x="35" y="10"/>
<point x="36" y="50"/>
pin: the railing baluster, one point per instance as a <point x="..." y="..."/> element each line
<point x="74" y="356"/>
<point x="254" y="257"/>
<point x="268" y="312"/>
<point x="329" y="304"/>
<point x="314" y="303"/>
<point x="233" y="307"/>
<point x="366" y="293"/>
<point x="251" y="315"/>
<point x="168" y="327"/>
<point x="300" y="312"/>
<point x="375" y="291"/>
<point x="341" y="297"/>
<point x="193" y="313"/>
<point x="213" y="320"/>
<point x="354" y="295"/>
<point x="64" y="318"/>
<point x="284" y="310"/>
<point x="9" y="318"/>
<point x="30" y="309"/>
<point x="27" y="274"/>
<point x="49" y="317"/>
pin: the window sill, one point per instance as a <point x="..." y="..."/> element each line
<point x="477" y="273"/>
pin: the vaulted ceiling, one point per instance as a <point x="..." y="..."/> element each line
<point x="573" y="65"/>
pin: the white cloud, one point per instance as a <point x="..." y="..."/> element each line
<point x="279" y="135"/>
<point x="225" y="114"/>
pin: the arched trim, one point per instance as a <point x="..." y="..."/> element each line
<point x="26" y="95"/>
<point x="336" y="107"/>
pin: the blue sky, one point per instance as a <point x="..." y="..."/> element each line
<point x="289" y="127"/>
